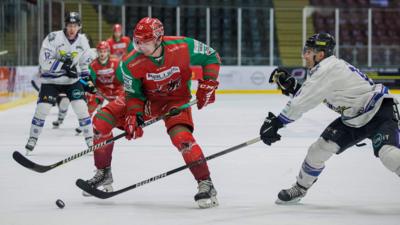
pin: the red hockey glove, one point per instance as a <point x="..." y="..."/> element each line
<point x="206" y="92"/>
<point x="132" y="126"/>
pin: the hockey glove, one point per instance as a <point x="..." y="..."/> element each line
<point x="206" y="92"/>
<point x="269" y="129"/>
<point x="88" y="85"/>
<point x="132" y="126"/>
<point x="70" y="70"/>
<point x="285" y="81"/>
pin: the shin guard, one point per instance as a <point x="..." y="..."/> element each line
<point x="191" y="152"/>
<point x="102" y="132"/>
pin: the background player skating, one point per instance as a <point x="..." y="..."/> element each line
<point x="64" y="59"/>
<point x="119" y="45"/>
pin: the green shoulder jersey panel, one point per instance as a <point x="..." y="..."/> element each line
<point x="92" y="74"/>
<point x="130" y="47"/>
<point x="132" y="85"/>
<point x="200" y="53"/>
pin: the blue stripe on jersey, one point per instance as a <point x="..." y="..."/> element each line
<point x="85" y="121"/>
<point x="49" y="75"/>
<point x="284" y="119"/>
<point x="38" y="122"/>
<point x="311" y="170"/>
<point x="54" y="66"/>
<point x="375" y="98"/>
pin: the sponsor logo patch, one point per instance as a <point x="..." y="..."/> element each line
<point x="163" y="75"/>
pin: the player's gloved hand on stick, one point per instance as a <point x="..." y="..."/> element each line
<point x="70" y="70"/>
<point x="285" y="81"/>
<point x="206" y="92"/>
<point x="269" y="129"/>
<point x="132" y="126"/>
<point x="89" y="85"/>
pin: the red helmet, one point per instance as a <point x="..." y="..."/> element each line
<point x="117" y="28"/>
<point x="148" y="29"/>
<point x="103" y="45"/>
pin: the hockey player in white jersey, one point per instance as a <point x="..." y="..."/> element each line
<point x="367" y="111"/>
<point x="64" y="59"/>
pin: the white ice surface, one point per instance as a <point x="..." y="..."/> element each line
<point x="354" y="188"/>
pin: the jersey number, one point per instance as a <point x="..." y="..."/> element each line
<point x="361" y="74"/>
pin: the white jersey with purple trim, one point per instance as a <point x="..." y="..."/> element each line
<point x="54" y="47"/>
<point x="343" y="88"/>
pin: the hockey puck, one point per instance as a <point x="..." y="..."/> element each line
<point x="60" y="203"/>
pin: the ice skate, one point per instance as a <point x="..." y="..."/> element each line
<point x="206" y="197"/>
<point x="78" y="131"/>
<point x="30" y="145"/>
<point x="103" y="178"/>
<point x="57" y="123"/>
<point x="291" y="195"/>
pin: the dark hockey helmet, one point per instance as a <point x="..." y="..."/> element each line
<point x="321" y="42"/>
<point x="72" y="17"/>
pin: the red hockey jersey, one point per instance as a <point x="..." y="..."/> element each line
<point x="166" y="78"/>
<point x="119" y="48"/>
<point x="103" y="76"/>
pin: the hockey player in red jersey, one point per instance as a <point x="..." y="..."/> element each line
<point x="102" y="71"/>
<point x="120" y="45"/>
<point x="157" y="78"/>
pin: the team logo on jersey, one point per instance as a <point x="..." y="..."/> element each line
<point x="65" y="54"/>
<point x="379" y="139"/>
<point x="163" y="75"/>
<point x="201" y="48"/>
<point x="77" y="94"/>
<point x="119" y="45"/>
<point x="127" y="82"/>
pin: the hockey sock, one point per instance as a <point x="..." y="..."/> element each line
<point x="318" y="153"/>
<point x="191" y="152"/>
<point x="85" y="122"/>
<point x="103" y="155"/>
<point x="63" y="108"/>
<point x="42" y="110"/>
<point x="390" y="157"/>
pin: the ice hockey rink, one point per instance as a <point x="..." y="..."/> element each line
<point x="354" y="188"/>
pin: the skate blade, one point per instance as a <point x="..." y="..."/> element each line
<point x="207" y="203"/>
<point x="106" y="188"/>
<point x="291" y="202"/>
<point x="28" y="152"/>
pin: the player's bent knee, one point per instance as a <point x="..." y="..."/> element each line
<point x="390" y="157"/>
<point x="183" y="140"/>
<point x="42" y="110"/>
<point x="320" y="151"/>
<point x="80" y="108"/>
<point x="101" y="127"/>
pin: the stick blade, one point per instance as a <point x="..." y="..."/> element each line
<point x="25" y="162"/>
<point x="93" y="191"/>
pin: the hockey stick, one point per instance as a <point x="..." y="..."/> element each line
<point x="21" y="159"/>
<point x="103" y="194"/>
